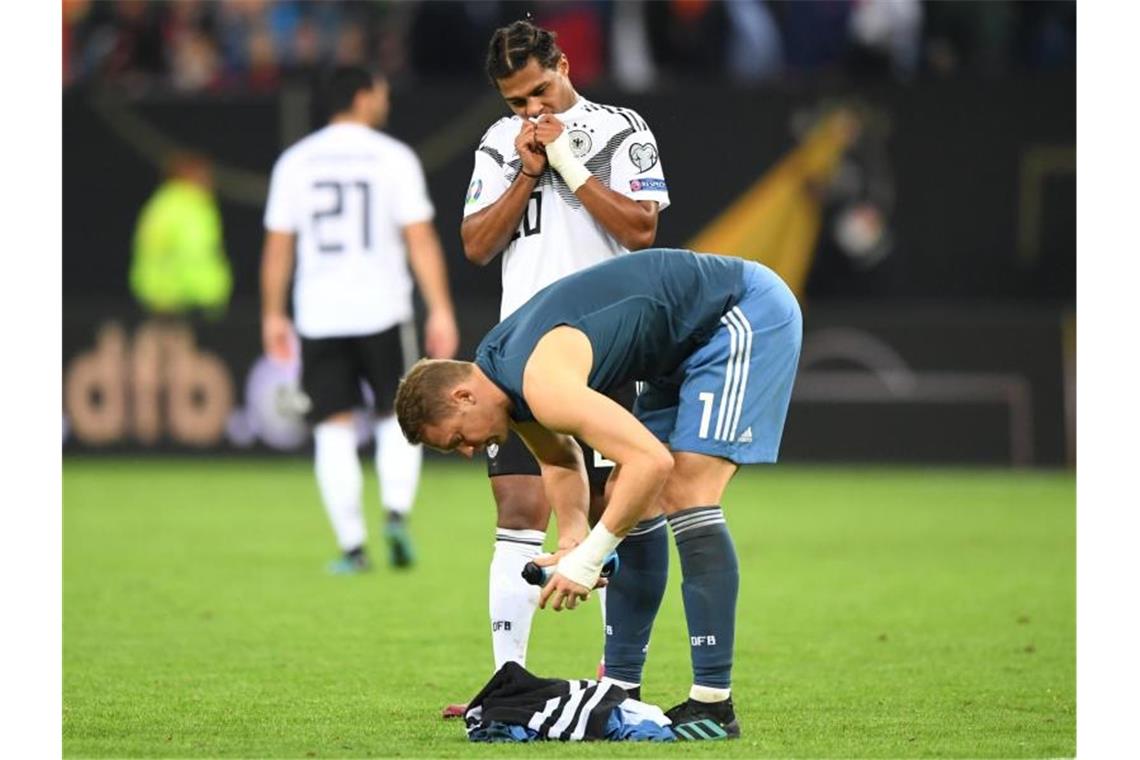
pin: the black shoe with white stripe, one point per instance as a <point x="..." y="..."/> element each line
<point x="704" y="721"/>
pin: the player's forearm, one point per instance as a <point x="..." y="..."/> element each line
<point x="276" y="271"/>
<point x="568" y="492"/>
<point x="487" y="232"/>
<point x="626" y="220"/>
<point x="638" y="489"/>
<point x="425" y="256"/>
<point x="629" y="501"/>
<point x="564" y="479"/>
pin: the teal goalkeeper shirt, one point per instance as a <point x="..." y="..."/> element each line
<point x="643" y="314"/>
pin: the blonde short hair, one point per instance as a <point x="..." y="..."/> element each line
<point x="422" y="398"/>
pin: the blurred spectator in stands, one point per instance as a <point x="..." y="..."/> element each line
<point x="351" y="46"/>
<point x="631" y="59"/>
<point x="194" y="61"/>
<point x="1047" y="35"/>
<point x="305" y="49"/>
<point x="688" y="37"/>
<point x="138" y="53"/>
<point x="815" y="33"/>
<point x="281" y="18"/>
<point x="179" y="262"/>
<point x="579" y="26"/>
<point x="239" y="22"/>
<point x="185" y="16"/>
<point x="117" y="42"/>
<point x="192" y="54"/>
<point x="392" y="32"/>
<point x="194" y="45"/>
<point x="74" y="13"/>
<point x="997" y="38"/>
<point x="755" y="50"/>
<point x="234" y="25"/>
<point x="886" y="38"/>
<point x="968" y="36"/>
<point x="263" y="74"/>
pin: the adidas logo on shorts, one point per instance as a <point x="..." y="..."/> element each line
<point x="746" y="436"/>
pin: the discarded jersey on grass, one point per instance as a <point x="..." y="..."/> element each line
<point x="516" y="706"/>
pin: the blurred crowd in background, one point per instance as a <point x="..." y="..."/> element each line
<point x="256" y="45"/>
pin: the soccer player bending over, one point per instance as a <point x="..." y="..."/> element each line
<point x="716" y="341"/>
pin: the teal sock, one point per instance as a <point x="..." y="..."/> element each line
<point x="709" y="586"/>
<point x="633" y="597"/>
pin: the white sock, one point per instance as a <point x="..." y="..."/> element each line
<point x="397" y="465"/>
<point x="708" y="693"/>
<point x="512" y="600"/>
<point x="627" y="685"/>
<point x="341" y="482"/>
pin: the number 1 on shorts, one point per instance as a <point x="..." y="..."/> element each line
<point x="706" y="398"/>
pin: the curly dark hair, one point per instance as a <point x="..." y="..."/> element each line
<point x="512" y="46"/>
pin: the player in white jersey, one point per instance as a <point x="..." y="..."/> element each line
<point x="353" y="203"/>
<point x="555" y="230"/>
<point x="561" y="185"/>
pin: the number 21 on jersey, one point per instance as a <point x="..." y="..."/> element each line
<point x="333" y="208"/>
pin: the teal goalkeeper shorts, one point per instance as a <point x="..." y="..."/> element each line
<point x="730" y="397"/>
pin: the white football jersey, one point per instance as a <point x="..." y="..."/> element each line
<point x="557" y="235"/>
<point x="347" y="191"/>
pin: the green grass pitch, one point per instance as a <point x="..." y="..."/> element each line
<point x="883" y="613"/>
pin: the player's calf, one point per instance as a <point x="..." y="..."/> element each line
<point x="633" y="597"/>
<point x="709" y="587"/>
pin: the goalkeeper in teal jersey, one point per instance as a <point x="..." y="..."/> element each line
<point x="715" y="342"/>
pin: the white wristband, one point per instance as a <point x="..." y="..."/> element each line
<point x="562" y="158"/>
<point x="583" y="564"/>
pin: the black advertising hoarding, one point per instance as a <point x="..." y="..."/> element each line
<point x="947" y="385"/>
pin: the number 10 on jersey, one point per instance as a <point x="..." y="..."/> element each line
<point x="531" y="223"/>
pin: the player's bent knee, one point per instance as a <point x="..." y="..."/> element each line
<point x="696" y="480"/>
<point x="663" y="464"/>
